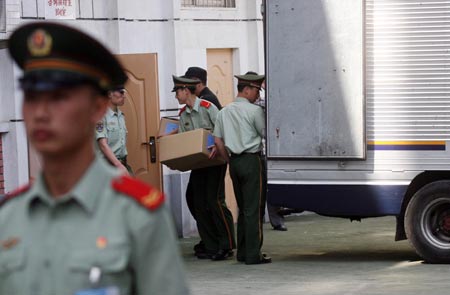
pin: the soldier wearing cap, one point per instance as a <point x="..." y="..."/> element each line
<point x="111" y="131"/>
<point x="238" y="136"/>
<point x="81" y="227"/>
<point x="203" y="92"/>
<point x="207" y="185"/>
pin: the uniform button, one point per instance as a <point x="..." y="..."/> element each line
<point x="47" y="263"/>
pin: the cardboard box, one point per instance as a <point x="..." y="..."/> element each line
<point x="188" y="150"/>
<point x="167" y="126"/>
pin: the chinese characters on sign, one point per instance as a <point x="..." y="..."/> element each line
<point x="60" y="9"/>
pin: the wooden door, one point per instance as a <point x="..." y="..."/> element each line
<point x="220" y="73"/>
<point x="220" y="81"/>
<point x="142" y="115"/>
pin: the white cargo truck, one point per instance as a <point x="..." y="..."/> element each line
<point x="358" y="113"/>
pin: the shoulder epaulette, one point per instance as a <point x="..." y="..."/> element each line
<point x="205" y="104"/>
<point x="15" y="193"/>
<point x="182" y="110"/>
<point x="144" y="194"/>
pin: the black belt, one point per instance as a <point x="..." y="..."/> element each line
<point x="232" y="155"/>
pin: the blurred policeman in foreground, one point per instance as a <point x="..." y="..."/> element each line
<point x="80" y="228"/>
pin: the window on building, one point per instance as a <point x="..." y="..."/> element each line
<point x="208" y="3"/>
<point x="2" y="15"/>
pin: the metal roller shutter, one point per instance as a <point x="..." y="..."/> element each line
<point x="408" y="70"/>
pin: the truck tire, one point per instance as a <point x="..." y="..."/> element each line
<point x="427" y="222"/>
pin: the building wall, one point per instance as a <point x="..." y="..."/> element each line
<point x="179" y="35"/>
<point x="15" y="153"/>
<point x="2" y="179"/>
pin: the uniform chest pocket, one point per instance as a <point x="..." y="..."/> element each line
<point x="11" y="260"/>
<point x="113" y="132"/>
<point x="112" y="259"/>
<point x="12" y="265"/>
<point x="100" y="268"/>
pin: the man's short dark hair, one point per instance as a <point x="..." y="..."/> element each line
<point x="196" y="73"/>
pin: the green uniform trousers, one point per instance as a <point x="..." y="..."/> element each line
<point x="125" y="163"/>
<point x="248" y="175"/>
<point x="214" y="219"/>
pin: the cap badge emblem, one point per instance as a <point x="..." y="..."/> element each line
<point x="40" y="43"/>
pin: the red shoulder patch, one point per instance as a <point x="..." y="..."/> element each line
<point x="144" y="194"/>
<point x="15" y="193"/>
<point x="205" y="104"/>
<point x="182" y="110"/>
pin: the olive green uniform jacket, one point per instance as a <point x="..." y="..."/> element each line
<point x="241" y="126"/>
<point x="108" y="233"/>
<point x="113" y="128"/>
<point x="205" y="194"/>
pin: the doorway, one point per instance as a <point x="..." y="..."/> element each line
<point x="220" y="73"/>
<point x="220" y="81"/>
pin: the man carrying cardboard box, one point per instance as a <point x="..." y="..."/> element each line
<point x="214" y="219"/>
<point x="201" y="91"/>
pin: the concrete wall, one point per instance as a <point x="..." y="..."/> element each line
<point x="15" y="150"/>
<point x="2" y="178"/>
<point x="179" y="35"/>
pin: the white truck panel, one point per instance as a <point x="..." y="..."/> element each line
<point x="315" y="91"/>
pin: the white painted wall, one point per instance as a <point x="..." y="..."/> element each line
<point x="15" y="155"/>
<point x="179" y="35"/>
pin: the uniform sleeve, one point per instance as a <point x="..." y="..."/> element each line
<point x="100" y="129"/>
<point x="218" y="126"/>
<point x="155" y="254"/>
<point x="259" y="121"/>
<point x="213" y="111"/>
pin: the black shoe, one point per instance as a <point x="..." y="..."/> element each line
<point x="199" y="248"/>
<point x="263" y="260"/>
<point x="222" y="254"/>
<point x="204" y="255"/>
<point x="280" y="227"/>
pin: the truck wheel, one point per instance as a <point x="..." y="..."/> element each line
<point x="427" y="222"/>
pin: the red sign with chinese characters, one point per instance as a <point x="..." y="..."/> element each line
<point x="60" y="9"/>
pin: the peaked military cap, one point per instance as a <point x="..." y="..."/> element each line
<point x="118" y="87"/>
<point x="183" y="82"/>
<point x="53" y="55"/>
<point x="196" y="72"/>
<point x="250" y="79"/>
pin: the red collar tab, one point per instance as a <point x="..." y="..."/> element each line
<point x="205" y="104"/>
<point x="182" y="110"/>
<point x="146" y="195"/>
<point x="15" y="193"/>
